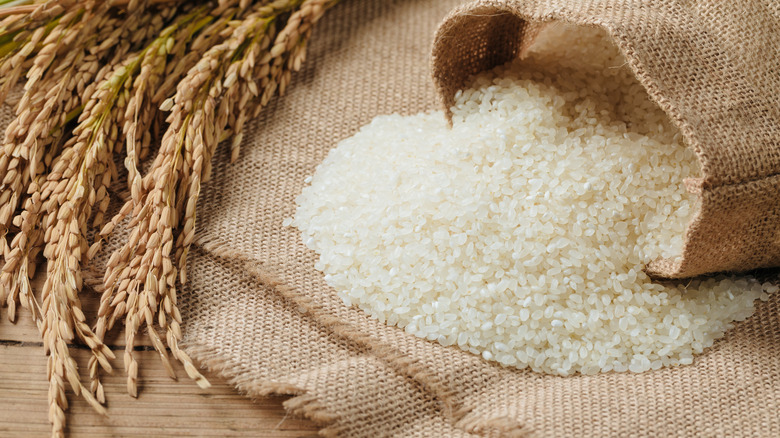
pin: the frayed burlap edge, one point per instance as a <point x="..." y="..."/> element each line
<point x="301" y="402"/>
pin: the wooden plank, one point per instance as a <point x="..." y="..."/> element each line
<point x="164" y="407"/>
<point x="24" y="330"/>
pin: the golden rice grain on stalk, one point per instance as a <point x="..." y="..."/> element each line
<point x="100" y="75"/>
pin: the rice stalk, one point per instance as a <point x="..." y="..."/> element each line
<point x="141" y="277"/>
<point x="103" y="77"/>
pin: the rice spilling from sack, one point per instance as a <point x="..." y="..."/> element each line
<point x="520" y="234"/>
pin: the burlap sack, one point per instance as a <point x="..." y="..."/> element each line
<point x="370" y="58"/>
<point x="711" y="65"/>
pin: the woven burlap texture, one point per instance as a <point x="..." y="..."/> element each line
<point x="252" y="274"/>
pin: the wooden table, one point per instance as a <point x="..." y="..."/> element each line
<point x="163" y="408"/>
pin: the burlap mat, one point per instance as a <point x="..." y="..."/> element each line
<point x="370" y="58"/>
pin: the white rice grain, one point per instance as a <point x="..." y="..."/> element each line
<point x="521" y="233"/>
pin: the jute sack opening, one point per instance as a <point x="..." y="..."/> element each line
<point x="252" y="277"/>
<point x="712" y="66"/>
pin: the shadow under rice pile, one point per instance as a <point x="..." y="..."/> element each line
<point x="521" y="232"/>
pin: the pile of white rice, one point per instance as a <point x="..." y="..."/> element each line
<point x="521" y="233"/>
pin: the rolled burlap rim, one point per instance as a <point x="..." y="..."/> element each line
<point x="712" y="67"/>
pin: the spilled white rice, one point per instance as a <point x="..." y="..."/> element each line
<point x="521" y="233"/>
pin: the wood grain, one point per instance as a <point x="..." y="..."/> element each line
<point x="164" y="407"/>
